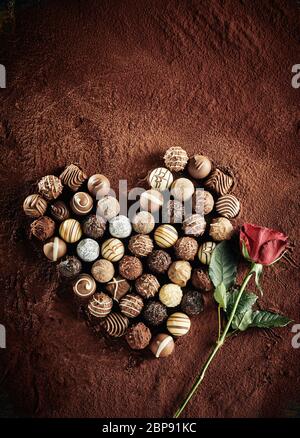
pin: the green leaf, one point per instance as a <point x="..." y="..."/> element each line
<point x="220" y="295"/>
<point x="243" y="315"/>
<point x="223" y="265"/>
<point x="264" y="319"/>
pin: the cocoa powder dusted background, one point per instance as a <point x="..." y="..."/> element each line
<point x="111" y="85"/>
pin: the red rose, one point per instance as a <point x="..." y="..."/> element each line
<point x="262" y="245"/>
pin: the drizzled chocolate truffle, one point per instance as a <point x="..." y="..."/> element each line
<point x="35" y="205"/>
<point x="131" y="305"/>
<point x="176" y="159"/>
<point x="84" y="286"/>
<point x="100" y="305"/>
<point x="174" y="211"/>
<point x="59" y="211"/>
<point x="219" y="182"/>
<point x="138" y="336"/>
<point x="94" y="226"/>
<point x="186" y="248"/>
<point x="200" y="280"/>
<point x="73" y="177"/>
<point x="192" y="303"/>
<point x="50" y="187"/>
<point x="70" y="267"/>
<point x="115" y="324"/>
<point x="147" y="285"/>
<point x="155" y="313"/>
<point x="117" y="287"/>
<point x="42" y="228"/>
<point x="141" y="245"/>
<point x="159" y="261"/>
<point x="130" y="267"/>
<point x="203" y="202"/>
<point x="194" y="225"/>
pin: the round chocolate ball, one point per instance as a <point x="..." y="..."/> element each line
<point x="84" y="286"/>
<point x="180" y="272"/>
<point x="228" y="206"/>
<point x="55" y="249"/>
<point x="200" y="280"/>
<point x="42" y="228"/>
<point x="50" y="187"/>
<point x="174" y="211"/>
<point x="203" y="202"/>
<point x="165" y="235"/>
<point x="147" y="285"/>
<point x="115" y="324"/>
<point x="35" y="206"/>
<point x="186" y="248"/>
<point x="81" y="203"/>
<point x="73" y="177"/>
<point x="130" y="267"/>
<point x="138" y="336"/>
<point x="70" y="230"/>
<point x="159" y="261"/>
<point x="108" y="207"/>
<point x="112" y="249"/>
<point x="176" y="159"/>
<point x="199" y="166"/>
<point x="88" y="250"/>
<point x="192" y="303"/>
<point x="70" y="267"/>
<point x="178" y="324"/>
<point x="219" y="182"/>
<point x="194" y="225"/>
<point x="160" y="179"/>
<point x="155" y="313"/>
<point x="100" y="305"/>
<point x="131" y="305"/>
<point x="220" y="229"/>
<point x="140" y="245"/>
<point x="94" y="226"/>
<point x="151" y="200"/>
<point x="117" y="287"/>
<point x="59" y="211"/>
<point x="103" y="270"/>
<point x="205" y="252"/>
<point x="143" y="222"/>
<point x="120" y="227"/>
<point x="182" y="189"/>
<point x="162" y="345"/>
<point x="170" y="294"/>
<point x="98" y="185"/>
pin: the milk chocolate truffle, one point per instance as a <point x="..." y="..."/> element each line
<point x="178" y="324"/>
<point x="205" y="252"/>
<point x="117" y="287"/>
<point x="103" y="270"/>
<point x="98" y="185"/>
<point x="42" y="228"/>
<point x="108" y="207"/>
<point x="94" y="226"/>
<point x="192" y="303"/>
<point x="180" y="272"/>
<point x="70" y="267"/>
<point x="140" y="245"/>
<point x="70" y="230"/>
<point x="162" y="345"/>
<point x="55" y="249"/>
<point x="170" y="294"/>
<point x="186" y="248"/>
<point x="59" y="211"/>
<point x="176" y="159"/>
<point x="120" y="227"/>
<point x="100" y="305"/>
<point x="147" y="285"/>
<point x="155" y="313"/>
<point x="35" y="206"/>
<point x="165" y="235"/>
<point x="199" y="166"/>
<point x="81" y="203"/>
<point x="84" y="286"/>
<point x="130" y="267"/>
<point x="220" y="229"/>
<point x="203" y="202"/>
<point x="160" y="179"/>
<point x="151" y="200"/>
<point x="182" y="189"/>
<point x="73" y="177"/>
<point x="228" y="206"/>
<point x="159" y="261"/>
<point x="88" y="250"/>
<point x="219" y="182"/>
<point x="131" y="305"/>
<point x="194" y="225"/>
<point x="112" y="250"/>
<point x="143" y="222"/>
<point x="138" y="336"/>
<point x="200" y="280"/>
<point x="50" y="187"/>
<point x="174" y="211"/>
<point x="116" y="324"/>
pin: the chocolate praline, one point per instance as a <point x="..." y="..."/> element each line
<point x="138" y="336"/>
<point x="70" y="267"/>
<point x="130" y="267"/>
<point x="155" y="313"/>
<point x="141" y="245"/>
<point x="192" y="302"/>
<point x="117" y="287"/>
<point x="50" y="187"/>
<point x="42" y="228"/>
<point x="200" y="280"/>
<point x="147" y="285"/>
<point x="159" y="261"/>
<point x="186" y="248"/>
<point x="94" y="226"/>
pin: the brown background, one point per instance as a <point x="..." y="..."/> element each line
<point x="111" y="85"/>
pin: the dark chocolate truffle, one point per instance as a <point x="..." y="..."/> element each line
<point x="159" y="261"/>
<point x="155" y="313"/>
<point x="131" y="305"/>
<point x="192" y="302"/>
<point x="138" y="336"/>
<point x="141" y="245"/>
<point x="130" y="267"/>
<point x="100" y="305"/>
<point x="117" y="287"/>
<point x="73" y="177"/>
<point x="200" y="280"/>
<point x="42" y="228"/>
<point x="34" y="205"/>
<point x="147" y="285"/>
<point x="70" y="267"/>
<point x="59" y="211"/>
<point x="94" y="226"/>
<point x="186" y="248"/>
<point x="116" y="324"/>
<point x="219" y="182"/>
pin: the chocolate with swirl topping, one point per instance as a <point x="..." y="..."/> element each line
<point x="59" y="211"/>
<point x="73" y="177"/>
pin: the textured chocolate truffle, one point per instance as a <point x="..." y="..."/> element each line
<point x="81" y="203"/>
<point x="228" y="206"/>
<point x="165" y="235"/>
<point x="98" y="185"/>
<point x="59" y="211"/>
<point x="170" y="294"/>
<point x="178" y="324"/>
<point x="220" y="229"/>
<point x="42" y="228"/>
<point x="192" y="303"/>
<point x="194" y="225"/>
<point x="108" y="207"/>
<point x="151" y="200"/>
<point x="199" y="166"/>
<point x="160" y="179"/>
<point x="138" y="336"/>
<point x="174" y="212"/>
<point x="143" y="222"/>
<point x="116" y="324"/>
<point x="155" y="313"/>
<point x="130" y="267"/>
<point x="55" y="249"/>
<point x="131" y="305"/>
<point x="35" y="206"/>
<point x="50" y="187"/>
<point x="147" y="285"/>
<point x="103" y="271"/>
<point x="205" y="252"/>
<point x="219" y="182"/>
<point x="94" y="226"/>
<point x="70" y="267"/>
<point x="203" y="202"/>
<point x="186" y="248"/>
<point x="117" y="287"/>
<point x="176" y="159"/>
<point x="84" y="286"/>
<point x="159" y="261"/>
<point x="70" y="230"/>
<point x="200" y="280"/>
<point x="180" y="272"/>
<point x="182" y="189"/>
<point x="140" y="245"/>
<point x="88" y="250"/>
<point x="162" y="345"/>
<point x="100" y="305"/>
<point x="112" y="250"/>
<point x="73" y="177"/>
<point x="120" y="227"/>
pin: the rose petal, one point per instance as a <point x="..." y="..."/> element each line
<point x="271" y="250"/>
